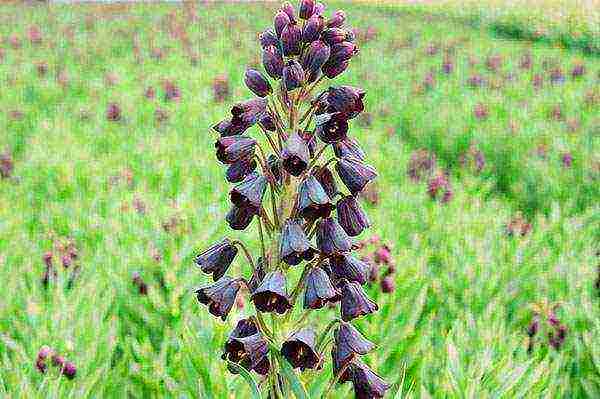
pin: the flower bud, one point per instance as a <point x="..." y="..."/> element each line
<point x="337" y="20"/>
<point x="351" y="216"/>
<point x="268" y="38"/>
<point x="113" y="112"/>
<point x="339" y="59"/>
<point x="315" y="56"/>
<point x="388" y="285"/>
<point x="313" y="28"/>
<point x="300" y="350"/>
<point x="295" y="155"/>
<point x="307" y="8"/>
<point x="257" y="83"/>
<point x="293" y="75"/>
<point x="319" y="8"/>
<point x="288" y="8"/>
<point x="220" y="296"/>
<point x="273" y="62"/>
<point x="333" y="36"/>
<point x="291" y="40"/>
<point x="280" y="22"/>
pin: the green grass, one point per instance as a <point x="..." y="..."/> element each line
<point x="456" y="324"/>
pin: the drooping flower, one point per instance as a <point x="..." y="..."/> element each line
<point x="216" y="259"/>
<point x="354" y="174"/>
<point x="247" y="347"/>
<point x="348" y="148"/>
<point x="231" y="149"/>
<point x="250" y="192"/>
<point x="300" y="349"/>
<point x="349" y="342"/>
<point x="351" y="216"/>
<point x="271" y="295"/>
<point x="332" y="128"/>
<point x="319" y="290"/>
<point x="239" y="218"/>
<point x="346" y="266"/>
<point x="220" y="296"/>
<point x="355" y="302"/>
<point x="313" y="202"/>
<point x="367" y="384"/>
<point x="294" y="246"/>
<point x="295" y="155"/>
<point x="237" y="171"/>
<point x="326" y="179"/>
<point x="331" y="238"/>
<point x="346" y="99"/>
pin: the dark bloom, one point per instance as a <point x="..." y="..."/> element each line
<point x="231" y="149"/>
<point x="239" y="218"/>
<point x="300" y="349"/>
<point x="355" y="174"/>
<point x="351" y="216"/>
<point x="337" y="367"/>
<point x="348" y="148"/>
<point x="337" y="20"/>
<point x="315" y="56"/>
<point x="267" y="122"/>
<point x="313" y="202"/>
<point x="248" y="113"/>
<point x="295" y="155"/>
<point x="275" y="167"/>
<point x="271" y="294"/>
<point x="217" y="258"/>
<point x="319" y="290"/>
<point x="333" y="36"/>
<point x="293" y="75"/>
<point x="250" y="192"/>
<point x="247" y="346"/>
<point x="220" y="296"/>
<point x="326" y="179"/>
<point x="272" y="62"/>
<point x="388" y="285"/>
<point x="257" y="83"/>
<point x="238" y="170"/>
<point x="313" y="28"/>
<point x="269" y="38"/>
<point x="345" y="266"/>
<point x="355" y="302"/>
<point x="307" y="9"/>
<point x="227" y="128"/>
<point x="331" y="238"/>
<point x="349" y="342"/>
<point x="339" y="59"/>
<point x="291" y="39"/>
<point x="367" y="384"/>
<point x="332" y="128"/>
<point x="346" y="99"/>
<point x="280" y="21"/>
<point x="294" y="246"/>
<point x="69" y="370"/>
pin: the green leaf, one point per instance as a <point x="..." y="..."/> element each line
<point x="292" y="378"/>
<point x="248" y="377"/>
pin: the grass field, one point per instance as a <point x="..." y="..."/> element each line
<point x="145" y="194"/>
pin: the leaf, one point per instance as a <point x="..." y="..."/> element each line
<point x="292" y="378"/>
<point x="248" y="377"/>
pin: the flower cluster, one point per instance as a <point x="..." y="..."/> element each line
<point x="46" y="353"/>
<point x="305" y="211"/>
<point x="66" y="250"/>
<point x="545" y="323"/>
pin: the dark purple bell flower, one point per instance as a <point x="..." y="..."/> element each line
<point x="280" y="21"/>
<point x="227" y="128"/>
<point x="267" y="122"/>
<point x="313" y="202"/>
<point x="331" y="238"/>
<point x="239" y="218"/>
<point x="333" y="36"/>
<point x="217" y="258"/>
<point x="339" y="59"/>
<point x="332" y="70"/>
<point x="273" y="62"/>
<point x="355" y="174"/>
<point x="237" y="171"/>
<point x="251" y="352"/>
<point x="248" y="113"/>
<point x="319" y="290"/>
<point x="347" y="267"/>
<point x="271" y="295"/>
<point x="231" y="149"/>
<point x="250" y="192"/>
<point x="315" y="56"/>
<point x="349" y="148"/>
<point x="244" y="328"/>
<point x="337" y="367"/>
<point x="295" y="155"/>
<point x="220" y="296"/>
<point x="257" y="83"/>
<point x="367" y="384"/>
<point x="275" y="167"/>
<point x="349" y="342"/>
<point x="326" y="179"/>
<point x="300" y="349"/>
<point x="307" y="9"/>
<point x="332" y="128"/>
<point x="355" y="302"/>
<point x="313" y="28"/>
<point x="346" y="99"/>
<point x="291" y="40"/>
<point x="337" y="20"/>
<point x="351" y="216"/>
<point x="288" y="8"/>
<point x="269" y="38"/>
<point x="293" y="75"/>
<point x="294" y="246"/>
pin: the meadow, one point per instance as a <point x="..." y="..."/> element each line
<point x="121" y="206"/>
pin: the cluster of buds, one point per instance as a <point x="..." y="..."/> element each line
<point x="46" y="353"/>
<point x="378" y="255"/>
<point x="68" y="254"/>
<point x="297" y="129"/>
<point x="545" y="323"/>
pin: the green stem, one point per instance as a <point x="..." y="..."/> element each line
<point x="325" y="332"/>
<point x="246" y="252"/>
<point x="334" y="380"/>
<point x="262" y="240"/>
